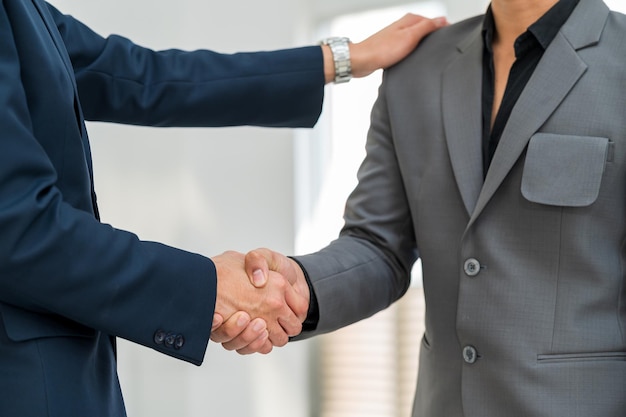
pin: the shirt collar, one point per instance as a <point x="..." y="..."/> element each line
<point x="544" y="30"/>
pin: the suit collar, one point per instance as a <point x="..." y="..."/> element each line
<point x="586" y="24"/>
<point x="557" y="72"/>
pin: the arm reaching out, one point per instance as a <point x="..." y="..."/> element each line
<point x="235" y="329"/>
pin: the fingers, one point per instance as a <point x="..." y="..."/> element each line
<point x="231" y="328"/>
<point x="422" y="27"/>
<point x="242" y="335"/>
<point x="392" y="44"/>
<point x="411" y="19"/>
<point x="252" y="348"/>
<point x="299" y="305"/>
<point x="287" y="322"/>
<point x="252" y="337"/>
<point x="217" y="321"/>
<point x="249" y="319"/>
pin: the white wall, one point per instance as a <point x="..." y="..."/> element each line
<point x="458" y="9"/>
<point x="204" y="190"/>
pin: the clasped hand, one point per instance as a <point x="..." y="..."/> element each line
<point x="262" y="300"/>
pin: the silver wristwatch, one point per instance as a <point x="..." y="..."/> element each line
<point x="341" y="56"/>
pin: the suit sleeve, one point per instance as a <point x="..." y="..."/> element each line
<point x="368" y="267"/>
<point x="121" y="82"/>
<point x="58" y="261"/>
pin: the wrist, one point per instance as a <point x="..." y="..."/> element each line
<point x="329" y="65"/>
<point x="301" y="285"/>
<point x="312" y="318"/>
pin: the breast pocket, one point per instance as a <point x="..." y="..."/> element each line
<point x="564" y="170"/>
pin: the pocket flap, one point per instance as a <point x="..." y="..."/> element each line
<point x="564" y="170"/>
<point x="22" y="325"/>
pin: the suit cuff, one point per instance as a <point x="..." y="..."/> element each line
<point x="313" y="314"/>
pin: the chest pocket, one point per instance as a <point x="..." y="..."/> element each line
<point x="564" y="170"/>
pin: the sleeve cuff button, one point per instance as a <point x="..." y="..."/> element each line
<point x="159" y="337"/>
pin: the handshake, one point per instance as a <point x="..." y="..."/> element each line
<point x="262" y="300"/>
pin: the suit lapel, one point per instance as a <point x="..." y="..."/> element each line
<point x="60" y="46"/>
<point x="556" y="74"/>
<point x="56" y="38"/>
<point x="554" y="77"/>
<point x="462" y="81"/>
<point x="61" y="49"/>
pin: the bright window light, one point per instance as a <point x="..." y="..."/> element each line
<point x="617" y="5"/>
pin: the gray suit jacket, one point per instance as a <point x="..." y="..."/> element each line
<point x="525" y="270"/>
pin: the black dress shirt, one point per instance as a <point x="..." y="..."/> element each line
<point x="529" y="48"/>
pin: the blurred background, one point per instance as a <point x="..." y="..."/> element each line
<point x="211" y="190"/>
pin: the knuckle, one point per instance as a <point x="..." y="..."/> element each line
<point x="218" y="336"/>
<point x="275" y="303"/>
<point x="230" y="333"/>
<point x="294" y="328"/>
<point x="281" y="283"/>
<point x="281" y="340"/>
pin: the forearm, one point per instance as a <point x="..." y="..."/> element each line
<point x="351" y="280"/>
<point x="66" y="264"/>
<point x="119" y="81"/>
<point x="204" y="88"/>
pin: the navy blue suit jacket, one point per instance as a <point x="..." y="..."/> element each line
<point x="68" y="283"/>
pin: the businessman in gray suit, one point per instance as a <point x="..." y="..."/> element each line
<point x="497" y="154"/>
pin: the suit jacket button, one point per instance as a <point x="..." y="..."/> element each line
<point x="471" y="267"/>
<point x="169" y="340"/>
<point x="469" y="354"/>
<point x="179" y="342"/>
<point x="159" y="337"/>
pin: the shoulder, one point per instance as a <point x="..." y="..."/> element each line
<point x="436" y="51"/>
<point x="448" y="40"/>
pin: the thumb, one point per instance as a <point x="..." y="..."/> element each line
<point x="260" y="261"/>
<point x="257" y="267"/>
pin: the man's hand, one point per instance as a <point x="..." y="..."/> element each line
<point x="260" y="262"/>
<point x="238" y="334"/>
<point x="277" y="304"/>
<point x="386" y="47"/>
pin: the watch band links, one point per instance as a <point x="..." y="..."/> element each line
<point x="339" y="46"/>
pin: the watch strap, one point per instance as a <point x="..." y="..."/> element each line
<point x="340" y="48"/>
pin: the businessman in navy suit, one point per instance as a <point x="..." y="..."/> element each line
<point x="69" y="284"/>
